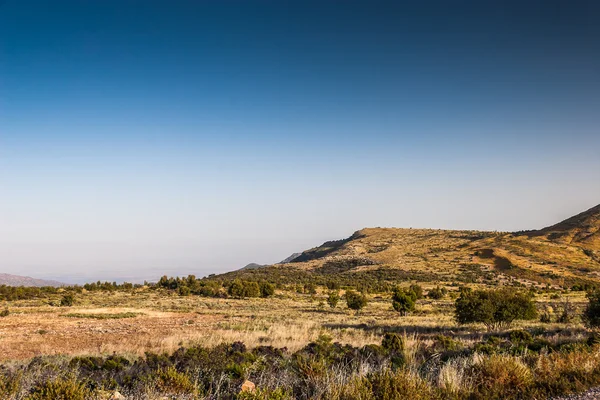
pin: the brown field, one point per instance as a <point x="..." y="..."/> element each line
<point x="153" y="320"/>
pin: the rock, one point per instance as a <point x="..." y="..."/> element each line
<point x="117" y="396"/>
<point x="248" y="386"/>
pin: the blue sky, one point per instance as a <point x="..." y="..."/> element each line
<point x="138" y="138"/>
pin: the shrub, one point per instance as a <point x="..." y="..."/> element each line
<point x="333" y="285"/>
<point x="333" y="298"/>
<point x="494" y="308"/>
<point x="265" y="394"/>
<point x="417" y="290"/>
<point x="393" y="342"/>
<point x="403" y="301"/>
<point x="242" y="289"/>
<point x="566" y="313"/>
<point x="520" y="336"/>
<point x="500" y="377"/>
<point x="401" y="384"/>
<point x="60" y="389"/>
<point x="546" y="315"/>
<point x="184" y="291"/>
<point x="591" y="315"/>
<point x="266" y="289"/>
<point x="4" y="313"/>
<point x="446" y="343"/>
<point x="437" y="293"/>
<point x="171" y="381"/>
<point x="310" y="288"/>
<point x="67" y="300"/>
<point x="355" y="301"/>
<point x="9" y="385"/>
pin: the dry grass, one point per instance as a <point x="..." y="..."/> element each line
<point x="120" y="322"/>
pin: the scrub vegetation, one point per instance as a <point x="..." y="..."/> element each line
<point x="384" y="314"/>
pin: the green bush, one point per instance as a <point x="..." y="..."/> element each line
<point x="403" y="301"/>
<point x="184" y="291"/>
<point x="355" y="301"/>
<point x="170" y="381"/>
<point x="333" y="298"/>
<point x="437" y="293"/>
<point x="392" y="342"/>
<point x="242" y="289"/>
<point x="4" y="313"/>
<point x="67" y="300"/>
<point x="417" y="290"/>
<point x="265" y="394"/>
<point x="494" y="308"/>
<point x="266" y="289"/>
<point x="591" y="315"/>
<point x="60" y="389"/>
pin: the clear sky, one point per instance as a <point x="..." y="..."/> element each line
<point x="146" y="137"/>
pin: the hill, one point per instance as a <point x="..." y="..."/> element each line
<point x="562" y="255"/>
<point x="17" y="280"/>
<point x="582" y="230"/>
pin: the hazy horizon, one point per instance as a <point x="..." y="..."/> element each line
<point x="142" y="139"/>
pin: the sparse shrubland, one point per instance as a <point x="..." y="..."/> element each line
<point x="400" y="367"/>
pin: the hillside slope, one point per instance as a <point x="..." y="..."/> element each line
<point x="581" y="230"/>
<point x="562" y="255"/>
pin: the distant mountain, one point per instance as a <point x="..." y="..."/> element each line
<point x="17" y="280"/>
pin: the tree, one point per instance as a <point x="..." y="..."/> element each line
<point x="184" y="291"/>
<point x="236" y="289"/>
<point x="266" y="289"/>
<point x="591" y="314"/>
<point x="403" y="301"/>
<point x="417" y="290"/>
<point x="355" y="301"/>
<point x="494" y="308"/>
<point x="333" y="298"/>
<point x="242" y="289"/>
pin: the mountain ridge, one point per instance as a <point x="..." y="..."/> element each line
<point x="18" y="280"/>
<point x="562" y="255"/>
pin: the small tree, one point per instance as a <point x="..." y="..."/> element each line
<point x="591" y="315"/>
<point x="355" y="301"/>
<point x="184" y="291"/>
<point x="494" y="308"/>
<point x="266" y="289"/>
<point x="417" y="290"/>
<point x="333" y="298"/>
<point x="236" y="289"/>
<point x="251" y="289"/>
<point x="403" y="301"/>
<point x="67" y="300"/>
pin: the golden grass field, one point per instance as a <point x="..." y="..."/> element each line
<point x="158" y="321"/>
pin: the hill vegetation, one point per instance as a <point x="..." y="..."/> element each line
<point x="384" y="314"/>
<point x="565" y="255"/>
